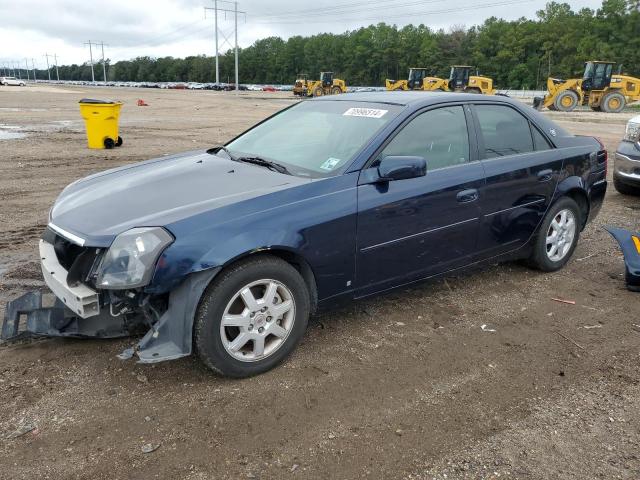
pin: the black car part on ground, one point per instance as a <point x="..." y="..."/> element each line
<point x="630" y="246"/>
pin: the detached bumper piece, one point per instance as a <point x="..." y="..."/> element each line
<point x="630" y="246"/>
<point x="26" y="317"/>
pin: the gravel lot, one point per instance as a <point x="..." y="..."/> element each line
<point x="407" y="385"/>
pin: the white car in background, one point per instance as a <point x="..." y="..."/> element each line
<point x="12" y="81"/>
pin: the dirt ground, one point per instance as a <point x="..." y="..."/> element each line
<point x="408" y="385"/>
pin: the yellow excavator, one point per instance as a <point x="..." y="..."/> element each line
<point x="327" y="85"/>
<point x="460" y="80"/>
<point x="598" y="88"/>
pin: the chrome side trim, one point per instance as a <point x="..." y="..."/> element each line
<point x="540" y="200"/>
<point x="401" y="239"/>
<point x="68" y="235"/>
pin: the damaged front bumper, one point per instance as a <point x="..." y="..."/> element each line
<point x="630" y="246"/>
<point x="79" y="311"/>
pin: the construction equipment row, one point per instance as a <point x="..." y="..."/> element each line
<point x="598" y="88"/>
<point x="460" y="80"/>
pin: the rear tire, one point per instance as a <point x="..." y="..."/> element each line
<point x="613" y="102"/>
<point x="566" y="101"/>
<point x="225" y="348"/>
<point x="623" y="188"/>
<point x="544" y="257"/>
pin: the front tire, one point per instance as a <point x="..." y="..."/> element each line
<point x="566" y="101"/>
<point x="251" y="317"/>
<point x="557" y="237"/>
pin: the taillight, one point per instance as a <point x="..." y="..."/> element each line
<point x="603" y="156"/>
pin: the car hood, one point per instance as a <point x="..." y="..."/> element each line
<point x="157" y="193"/>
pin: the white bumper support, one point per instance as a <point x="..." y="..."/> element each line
<point x="81" y="299"/>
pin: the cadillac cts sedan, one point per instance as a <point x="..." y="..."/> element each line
<point x="226" y="252"/>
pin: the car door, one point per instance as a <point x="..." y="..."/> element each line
<point x="418" y="227"/>
<point x="522" y="170"/>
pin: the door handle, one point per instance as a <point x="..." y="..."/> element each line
<point x="545" y="175"/>
<point x="466" y="196"/>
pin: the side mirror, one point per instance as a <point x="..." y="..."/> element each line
<point x="397" y="167"/>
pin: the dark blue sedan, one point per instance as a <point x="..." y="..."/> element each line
<point x="227" y="252"/>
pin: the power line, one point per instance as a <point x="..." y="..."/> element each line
<point x="351" y="7"/>
<point x="386" y="15"/>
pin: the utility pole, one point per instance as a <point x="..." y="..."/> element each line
<point x="55" y="57"/>
<point x="104" y="67"/>
<point x="93" y="78"/>
<point x="236" y="20"/>
<point x="235" y="12"/>
<point x="33" y="64"/>
<point x="46" y="55"/>
<point x="26" y="64"/>
<point x="17" y="64"/>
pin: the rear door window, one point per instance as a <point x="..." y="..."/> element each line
<point x="504" y="130"/>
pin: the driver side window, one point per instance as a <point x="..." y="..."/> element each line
<point x="440" y="136"/>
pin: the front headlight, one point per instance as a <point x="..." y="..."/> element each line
<point x="131" y="259"/>
<point x="632" y="134"/>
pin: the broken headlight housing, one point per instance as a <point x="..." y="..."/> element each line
<point x="632" y="134"/>
<point x="131" y="259"/>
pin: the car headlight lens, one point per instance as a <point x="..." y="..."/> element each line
<point x="632" y="134"/>
<point x="131" y="259"/>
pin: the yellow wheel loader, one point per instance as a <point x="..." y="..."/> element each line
<point x="460" y="80"/>
<point x="327" y="85"/>
<point x="598" y="88"/>
<point x="300" y="86"/>
<point x="414" y="82"/>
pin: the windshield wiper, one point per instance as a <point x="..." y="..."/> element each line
<point x="275" y="166"/>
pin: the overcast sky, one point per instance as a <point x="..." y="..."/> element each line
<point x="130" y="28"/>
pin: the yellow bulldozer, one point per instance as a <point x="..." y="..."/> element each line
<point x="460" y="80"/>
<point x="327" y="85"/>
<point x="598" y="88"/>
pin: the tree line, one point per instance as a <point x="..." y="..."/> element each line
<point x="516" y="54"/>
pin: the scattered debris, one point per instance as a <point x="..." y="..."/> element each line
<point x="592" y="326"/>
<point x="588" y="256"/>
<point x="484" y="328"/>
<point x="150" y="447"/>
<point x="142" y="378"/>
<point x="571" y="340"/>
<point x="294" y="467"/>
<point x="447" y="284"/>
<point x="561" y="300"/>
<point x="142" y="103"/>
<point x="400" y="324"/>
<point x="399" y="432"/>
<point x="20" y="431"/>
<point x="320" y="369"/>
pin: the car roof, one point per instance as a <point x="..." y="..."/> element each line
<point x="411" y="98"/>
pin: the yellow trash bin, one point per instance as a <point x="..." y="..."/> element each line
<point x="101" y="122"/>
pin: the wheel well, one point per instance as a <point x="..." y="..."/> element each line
<point x="581" y="199"/>
<point x="297" y="261"/>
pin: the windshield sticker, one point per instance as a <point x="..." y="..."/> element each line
<point x="365" y="112"/>
<point x="330" y="164"/>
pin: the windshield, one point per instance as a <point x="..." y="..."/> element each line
<point x="588" y="70"/>
<point x="315" y="138"/>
